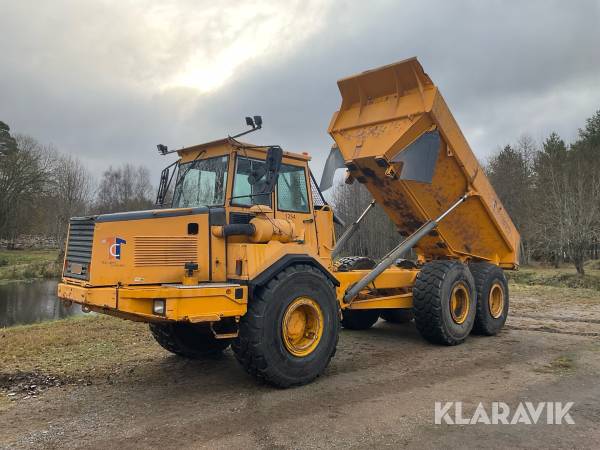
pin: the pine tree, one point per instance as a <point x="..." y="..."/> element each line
<point x="7" y="142"/>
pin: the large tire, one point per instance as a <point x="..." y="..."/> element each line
<point x="348" y="263"/>
<point x="188" y="340"/>
<point x="359" y="319"/>
<point x="266" y="351"/>
<point x="397" y="315"/>
<point x="492" y="298"/>
<point x="444" y="302"/>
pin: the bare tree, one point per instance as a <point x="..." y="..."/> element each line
<point x="377" y="234"/>
<point x="551" y="186"/>
<point x="70" y="196"/>
<point x="126" y="188"/>
<point x="553" y="194"/>
<point x="510" y="172"/>
<point x="24" y="178"/>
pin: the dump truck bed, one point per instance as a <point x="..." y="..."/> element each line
<point x="398" y="137"/>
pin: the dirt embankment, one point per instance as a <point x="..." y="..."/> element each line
<point x="98" y="382"/>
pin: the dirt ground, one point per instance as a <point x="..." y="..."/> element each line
<point x="379" y="390"/>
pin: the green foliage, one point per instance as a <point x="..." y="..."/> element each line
<point x="8" y="144"/>
<point x="553" y="194"/>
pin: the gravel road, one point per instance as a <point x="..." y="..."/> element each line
<point x="379" y="391"/>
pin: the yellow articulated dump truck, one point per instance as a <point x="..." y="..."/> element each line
<point x="245" y="254"/>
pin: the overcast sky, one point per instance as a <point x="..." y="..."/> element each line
<point x="108" y="80"/>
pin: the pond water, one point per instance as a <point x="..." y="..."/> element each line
<point x="30" y="302"/>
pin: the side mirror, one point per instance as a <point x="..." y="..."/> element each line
<point x="273" y="165"/>
<point x="269" y="171"/>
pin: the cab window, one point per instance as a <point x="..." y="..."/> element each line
<point x="292" y="194"/>
<point x="201" y="183"/>
<point x="245" y="194"/>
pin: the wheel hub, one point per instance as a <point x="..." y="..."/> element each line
<point x="496" y="300"/>
<point x="460" y="302"/>
<point x="302" y="326"/>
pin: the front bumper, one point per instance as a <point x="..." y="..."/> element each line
<point x="206" y="302"/>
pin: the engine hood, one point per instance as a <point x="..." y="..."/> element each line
<point x="140" y="247"/>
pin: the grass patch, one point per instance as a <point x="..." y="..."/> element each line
<point x="29" y="264"/>
<point x="561" y="365"/>
<point x="553" y="295"/>
<point x="561" y="277"/>
<point x="75" y="348"/>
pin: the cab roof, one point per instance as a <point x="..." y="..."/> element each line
<point x="237" y="144"/>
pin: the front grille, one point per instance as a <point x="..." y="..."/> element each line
<point x="165" y="250"/>
<point x="240" y="217"/>
<point x="79" y="248"/>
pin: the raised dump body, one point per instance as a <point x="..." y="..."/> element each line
<point x="398" y="137"/>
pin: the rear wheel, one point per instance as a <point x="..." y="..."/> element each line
<point x="290" y="332"/>
<point x="348" y="263"/>
<point x="188" y="340"/>
<point x="444" y="302"/>
<point x="492" y="298"/>
<point x="359" y="319"/>
<point x="397" y="315"/>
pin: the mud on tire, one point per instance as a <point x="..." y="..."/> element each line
<point x="434" y="287"/>
<point x="492" y="298"/>
<point x="260" y="346"/>
<point x="188" y="340"/>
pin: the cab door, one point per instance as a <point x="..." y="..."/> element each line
<point x="293" y="202"/>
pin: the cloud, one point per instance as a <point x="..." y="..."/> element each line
<point x="109" y="80"/>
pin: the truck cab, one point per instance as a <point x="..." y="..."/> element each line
<point x="222" y="231"/>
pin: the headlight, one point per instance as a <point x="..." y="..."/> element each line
<point x="159" y="306"/>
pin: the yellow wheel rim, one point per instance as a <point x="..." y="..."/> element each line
<point x="496" y="300"/>
<point x="460" y="302"/>
<point x="302" y="326"/>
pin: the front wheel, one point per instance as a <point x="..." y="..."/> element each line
<point x="188" y="340"/>
<point x="290" y="332"/>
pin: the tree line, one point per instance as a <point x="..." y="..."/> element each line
<point x="551" y="191"/>
<point x="41" y="188"/>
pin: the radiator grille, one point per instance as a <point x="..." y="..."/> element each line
<point x="165" y="250"/>
<point x="240" y="217"/>
<point x="79" y="248"/>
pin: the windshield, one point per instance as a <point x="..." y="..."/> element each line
<point x="201" y="183"/>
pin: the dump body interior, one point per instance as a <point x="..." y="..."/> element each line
<point x="389" y="117"/>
